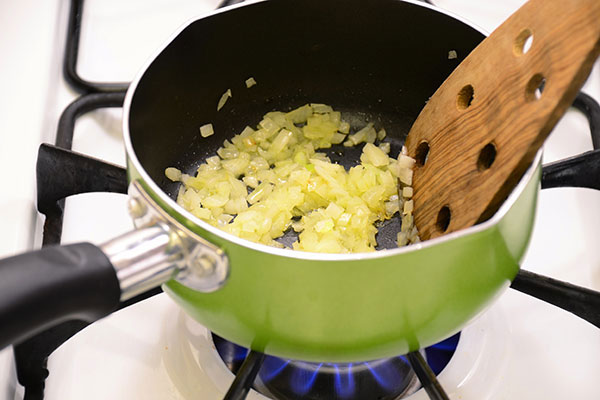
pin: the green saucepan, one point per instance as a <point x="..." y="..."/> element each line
<point x="375" y="61"/>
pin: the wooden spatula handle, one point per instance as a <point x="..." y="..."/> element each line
<point x="481" y="129"/>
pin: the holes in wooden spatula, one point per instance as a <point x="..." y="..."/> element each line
<point x="422" y="153"/>
<point x="535" y="87"/>
<point x="487" y="156"/>
<point x="465" y="97"/>
<point x="443" y="219"/>
<point x="523" y="42"/>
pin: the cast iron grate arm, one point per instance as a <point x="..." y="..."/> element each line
<point x="71" y="53"/>
<point x="50" y="176"/>
<point x="244" y="378"/>
<point x="426" y="376"/>
<point x="581" y="171"/>
<point x="583" y="302"/>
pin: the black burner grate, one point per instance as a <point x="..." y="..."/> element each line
<point x="54" y="185"/>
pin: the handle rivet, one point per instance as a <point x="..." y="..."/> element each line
<point x="136" y="208"/>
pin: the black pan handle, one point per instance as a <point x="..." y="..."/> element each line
<point x="52" y="285"/>
<point x="87" y="282"/>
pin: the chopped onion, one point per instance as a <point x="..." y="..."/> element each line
<point x="344" y="127"/>
<point x="406" y="176"/>
<point x="386" y="147"/>
<point x="250" y="82"/>
<point x="408" y="207"/>
<point x="405" y="161"/>
<point x="374" y="155"/>
<point x="206" y="130"/>
<point x="334" y="211"/>
<point x="173" y="174"/>
<point x="268" y="180"/>
<point x="223" y="99"/>
<point x="321" y="108"/>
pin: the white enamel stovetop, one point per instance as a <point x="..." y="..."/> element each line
<point x="521" y="348"/>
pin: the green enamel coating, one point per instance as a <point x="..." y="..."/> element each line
<point x="363" y="309"/>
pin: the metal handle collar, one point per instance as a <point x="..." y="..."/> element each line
<point x="162" y="249"/>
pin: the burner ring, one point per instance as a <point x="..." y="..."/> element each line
<point x="384" y="379"/>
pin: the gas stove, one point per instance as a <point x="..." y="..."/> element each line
<point x="520" y="347"/>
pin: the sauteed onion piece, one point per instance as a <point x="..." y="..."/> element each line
<point x="271" y="179"/>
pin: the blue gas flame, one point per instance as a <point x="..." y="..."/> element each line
<point x="272" y="367"/>
<point x="302" y="376"/>
<point x="303" y="380"/>
<point x="344" y="382"/>
<point x="386" y="375"/>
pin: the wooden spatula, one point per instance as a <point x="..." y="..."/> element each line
<point x="481" y="129"/>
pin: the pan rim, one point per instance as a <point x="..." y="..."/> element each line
<point x="286" y="252"/>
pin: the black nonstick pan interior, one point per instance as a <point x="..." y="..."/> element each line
<point x="375" y="61"/>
